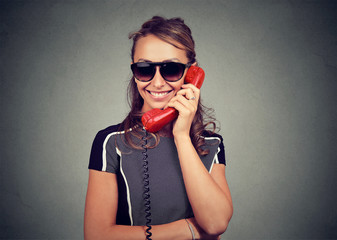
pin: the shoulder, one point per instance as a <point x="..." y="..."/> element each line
<point x="211" y="137"/>
<point x="109" y="131"/>
<point x="116" y="129"/>
<point x="214" y="140"/>
<point x="103" y="155"/>
<point x="104" y="135"/>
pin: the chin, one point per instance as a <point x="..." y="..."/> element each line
<point x="160" y="106"/>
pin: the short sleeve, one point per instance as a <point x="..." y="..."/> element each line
<point x="216" y="150"/>
<point x="104" y="156"/>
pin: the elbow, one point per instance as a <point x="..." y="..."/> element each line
<point x="97" y="234"/>
<point x="216" y="228"/>
<point x="92" y="232"/>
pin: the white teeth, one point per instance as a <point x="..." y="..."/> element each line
<point x="159" y="94"/>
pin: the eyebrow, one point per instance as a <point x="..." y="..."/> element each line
<point x="167" y="60"/>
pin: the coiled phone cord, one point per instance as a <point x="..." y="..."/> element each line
<point x="146" y="194"/>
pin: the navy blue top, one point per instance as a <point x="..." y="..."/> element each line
<point x="169" y="201"/>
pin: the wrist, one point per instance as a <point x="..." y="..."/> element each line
<point x="191" y="229"/>
<point x="195" y="228"/>
<point x="182" y="137"/>
<point x="184" y="232"/>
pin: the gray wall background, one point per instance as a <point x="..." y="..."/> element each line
<point x="271" y="78"/>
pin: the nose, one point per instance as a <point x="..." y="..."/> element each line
<point x="158" y="81"/>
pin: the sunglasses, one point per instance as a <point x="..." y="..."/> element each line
<point x="170" y="71"/>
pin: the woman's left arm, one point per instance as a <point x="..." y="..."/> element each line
<point x="208" y="193"/>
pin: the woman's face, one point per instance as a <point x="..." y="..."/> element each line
<point x="157" y="92"/>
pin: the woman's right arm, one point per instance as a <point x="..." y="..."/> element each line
<point x="101" y="210"/>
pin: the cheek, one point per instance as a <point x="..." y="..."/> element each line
<point x="141" y="86"/>
<point x="177" y="86"/>
<point x="140" y="89"/>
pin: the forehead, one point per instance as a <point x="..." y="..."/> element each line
<point x="154" y="49"/>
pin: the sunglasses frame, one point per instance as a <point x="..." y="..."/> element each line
<point x="160" y="64"/>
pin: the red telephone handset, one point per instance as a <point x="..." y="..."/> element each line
<point x="156" y="118"/>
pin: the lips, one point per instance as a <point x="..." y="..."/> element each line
<point x="160" y="94"/>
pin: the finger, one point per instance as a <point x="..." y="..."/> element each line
<point x="188" y="104"/>
<point x="191" y="86"/>
<point x="181" y="108"/>
<point x="188" y="93"/>
<point x="172" y="100"/>
<point x="194" y="89"/>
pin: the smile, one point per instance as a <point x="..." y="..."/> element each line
<point x="159" y="94"/>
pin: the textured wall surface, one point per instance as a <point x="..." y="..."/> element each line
<point x="271" y="76"/>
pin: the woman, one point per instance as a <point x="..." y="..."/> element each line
<point x="177" y="173"/>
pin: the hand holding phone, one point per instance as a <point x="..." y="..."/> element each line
<point x="156" y="119"/>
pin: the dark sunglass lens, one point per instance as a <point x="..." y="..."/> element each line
<point x="172" y="71"/>
<point x="143" y="71"/>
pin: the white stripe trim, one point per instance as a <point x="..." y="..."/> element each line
<point x="211" y="138"/>
<point x="104" y="161"/>
<point x="104" y="165"/>
<point x="215" y="160"/>
<point x="127" y="187"/>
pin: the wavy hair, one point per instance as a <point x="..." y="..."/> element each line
<point x="172" y="31"/>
